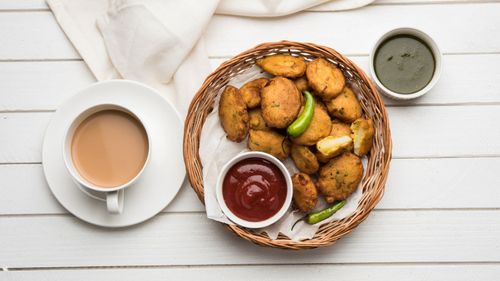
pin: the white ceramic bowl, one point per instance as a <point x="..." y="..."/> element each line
<point x="435" y="51"/>
<point x="231" y="215"/>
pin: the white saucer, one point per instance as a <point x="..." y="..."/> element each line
<point x="160" y="181"/>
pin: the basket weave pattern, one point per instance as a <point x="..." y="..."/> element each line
<point x="378" y="159"/>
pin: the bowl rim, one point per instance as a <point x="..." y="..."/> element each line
<point x="430" y="43"/>
<point x="242" y="222"/>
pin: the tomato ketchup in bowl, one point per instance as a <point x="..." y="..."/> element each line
<point x="254" y="189"/>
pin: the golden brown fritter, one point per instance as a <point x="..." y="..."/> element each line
<point x="233" y="114"/>
<point x="325" y="78"/>
<point x="305" y="195"/>
<point x="256" y="120"/>
<point x="339" y="129"/>
<point x="270" y="142"/>
<point x="251" y="91"/>
<point x="345" y="107"/>
<point x="283" y="65"/>
<point x="340" y="177"/>
<point x="332" y="146"/>
<point x="340" y="137"/>
<point x="362" y="133"/>
<point x="281" y="102"/>
<point x="304" y="159"/>
<point x="321" y="158"/>
<point x="301" y="84"/>
<point x="320" y="126"/>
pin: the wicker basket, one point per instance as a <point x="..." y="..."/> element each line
<point x="378" y="160"/>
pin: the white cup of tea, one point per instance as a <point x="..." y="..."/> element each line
<point x="106" y="149"/>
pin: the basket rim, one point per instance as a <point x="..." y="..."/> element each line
<point x="282" y="241"/>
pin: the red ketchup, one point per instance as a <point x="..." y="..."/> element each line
<point x="254" y="189"/>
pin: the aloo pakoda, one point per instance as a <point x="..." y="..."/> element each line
<point x="319" y="127"/>
<point x="362" y="132"/>
<point x="270" y="142"/>
<point x="283" y="65"/>
<point x="304" y="159"/>
<point x="345" y="107"/>
<point x="340" y="177"/>
<point x="257" y="122"/>
<point x="281" y="102"/>
<point x="325" y="78"/>
<point x="305" y="194"/>
<point x="233" y="114"/>
<point x="251" y="91"/>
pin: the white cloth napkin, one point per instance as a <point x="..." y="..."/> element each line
<point x="150" y="41"/>
<point x="160" y="42"/>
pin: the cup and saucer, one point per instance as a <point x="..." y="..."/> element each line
<point x="153" y="184"/>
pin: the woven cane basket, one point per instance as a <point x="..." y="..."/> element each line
<point x="378" y="159"/>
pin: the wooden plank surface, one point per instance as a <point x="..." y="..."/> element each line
<point x="31" y="194"/>
<point x="40" y="85"/>
<point x="36" y="35"/>
<point x="9" y="5"/>
<point x="345" y="272"/>
<point x="439" y="218"/>
<point x="44" y="85"/>
<point x="33" y="35"/>
<point x="457" y="34"/>
<point x="446" y="131"/>
<point x="182" y="239"/>
<point x="457" y="85"/>
<point x="440" y="183"/>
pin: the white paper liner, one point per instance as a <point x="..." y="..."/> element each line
<point x="216" y="150"/>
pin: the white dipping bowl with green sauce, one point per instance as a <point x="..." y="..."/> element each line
<point x="405" y="63"/>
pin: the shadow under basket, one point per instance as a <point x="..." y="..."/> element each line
<point x="379" y="158"/>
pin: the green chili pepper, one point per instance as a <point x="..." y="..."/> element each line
<point x="302" y="122"/>
<point x="314" y="218"/>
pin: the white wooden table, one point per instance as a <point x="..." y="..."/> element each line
<point x="439" y="218"/>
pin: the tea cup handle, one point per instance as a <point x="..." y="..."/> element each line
<point x="114" y="201"/>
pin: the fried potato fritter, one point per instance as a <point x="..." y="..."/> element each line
<point x="256" y="120"/>
<point x="233" y="114"/>
<point x="305" y="194"/>
<point x="304" y="159"/>
<point x="332" y="146"/>
<point x="283" y="65"/>
<point x="345" y="107"/>
<point x="321" y="158"/>
<point x="362" y="133"/>
<point x="251" y="91"/>
<point x="339" y="129"/>
<point x="325" y="78"/>
<point x="340" y="177"/>
<point x="319" y="127"/>
<point x="301" y="84"/>
<point x="281" y="102"/>
<point x="270" y="142"/>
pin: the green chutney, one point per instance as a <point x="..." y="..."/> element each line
<point x="404" y="64"/>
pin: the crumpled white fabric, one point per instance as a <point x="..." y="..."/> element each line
<point x="277" y="8"/>
<point x="160" y="42"/>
